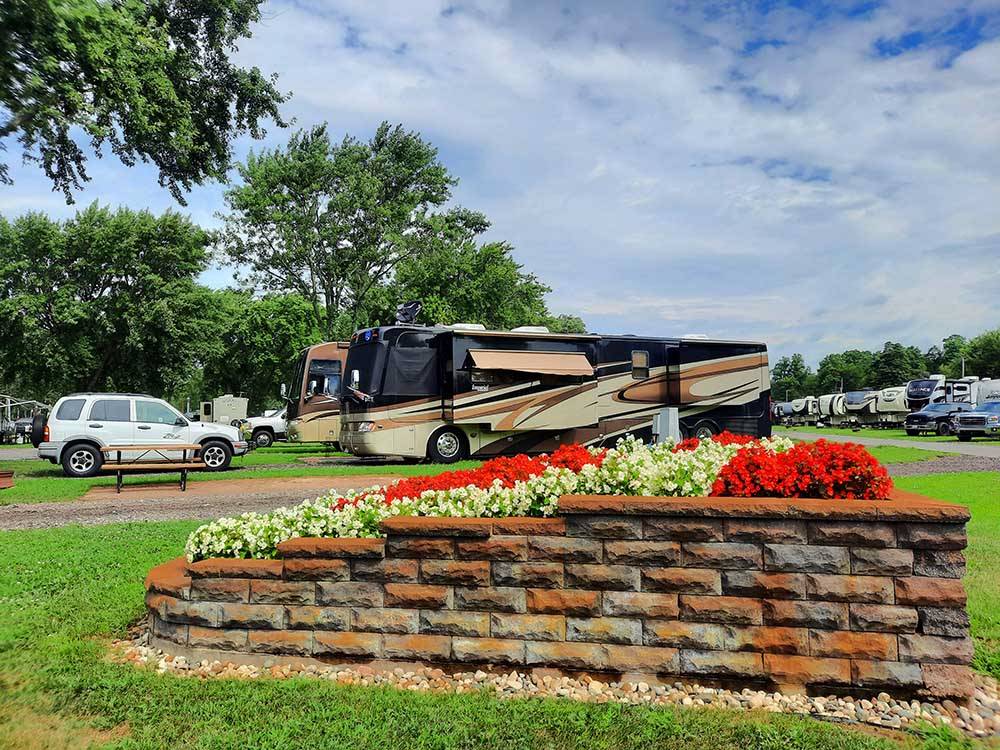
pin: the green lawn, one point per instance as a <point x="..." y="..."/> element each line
<point x="980" y="491"/>
<point x="65" y="591"/>
<point x="891" y="454"/>
<point x="42" y="482"/>
<point x="873" y="433"/>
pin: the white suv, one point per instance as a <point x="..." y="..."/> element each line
<point x="82" y="423"/>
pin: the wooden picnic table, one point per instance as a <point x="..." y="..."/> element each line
<point x="163" y="461"/>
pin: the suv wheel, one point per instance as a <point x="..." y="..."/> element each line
<point x="81" y="460"/>
<point x="263" y="438"/>
<point x="216" y="455"/>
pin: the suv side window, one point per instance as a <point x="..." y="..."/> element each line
<point x="111" y="410"/>
<point x="70" y="409"/>
<point x="151" y="411"/>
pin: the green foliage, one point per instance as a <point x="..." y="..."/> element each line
<point x="103" y="301"/>
<point x="791" y="378"/>
<point x="254" y="344"/>
<point x="895" y="365"/>
<point x="332" y="222"/>
<point x="846" y="371"/>
<point x="982" y="355"/>
<point x="357" y="228"/>
<point x="151" y="79"/>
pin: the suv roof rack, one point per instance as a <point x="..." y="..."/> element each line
<point x="108" y="393"/>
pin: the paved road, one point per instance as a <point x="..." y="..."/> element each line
<point x="982" y="450"/>
<point x="18" y="454"/>
<point x="202" y="501"/>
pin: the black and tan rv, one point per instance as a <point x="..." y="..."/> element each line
<point x="446" y="393"/>
<point x="314" y="400"/>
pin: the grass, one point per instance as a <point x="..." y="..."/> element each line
<point x="37" y="481"/>
<point x="64" y="592"/>
<point x="874" y="433"/>
<point x="979" y="491"/>
<point x="891" y="454"/>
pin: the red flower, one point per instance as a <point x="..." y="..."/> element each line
<point x="508" y="469"/>
<point x="723" y="438"/>
<point x="820" y="469"/>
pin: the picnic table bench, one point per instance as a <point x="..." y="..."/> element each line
<point x="162" y="462"/>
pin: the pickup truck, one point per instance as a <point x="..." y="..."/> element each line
<point x="265" y="429"/>
<point x="981" y="421"/>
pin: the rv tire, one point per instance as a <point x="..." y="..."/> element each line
<point x="446" y="446"/>
<point x="705" y="430"/>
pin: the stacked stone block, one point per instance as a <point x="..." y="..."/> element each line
<point x="806" y="594"/>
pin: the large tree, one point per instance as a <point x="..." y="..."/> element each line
<point x="104" y="301"/>
<point x="333" y="221"/>
<point x="844" y="371"/>
<point x="458" y="280"/>
<point x="982" y="355"/>
<point x="896" y="364"/>
<point x="255" y="346"/>
<point x="152" y="79"/>
<point x="791" y="378"/>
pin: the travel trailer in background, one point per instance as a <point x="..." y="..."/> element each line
<point x="804" y="411"/>
<point x="890" y="406"/>
<point x="986" y="390"/>
<point x="450" y="392"/>
<point x="313" y="414"/>
<point x="860" y="406"/>
<point x="924" y="391"/>
<point x="227" y="409"/>
<point x="832" y="410"/>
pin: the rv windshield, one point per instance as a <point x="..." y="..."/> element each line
<point x="368" y="359"/>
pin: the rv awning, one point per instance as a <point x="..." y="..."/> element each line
<point x="544" y="363"/>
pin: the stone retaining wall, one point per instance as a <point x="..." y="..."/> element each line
<point x="796" y="594"/>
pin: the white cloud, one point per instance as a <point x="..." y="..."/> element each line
<point x="662" y="181"/>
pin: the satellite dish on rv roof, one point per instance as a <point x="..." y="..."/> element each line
<point x="408" y="312"/>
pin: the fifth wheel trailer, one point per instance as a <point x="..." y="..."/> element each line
<point x="447" y="392"/>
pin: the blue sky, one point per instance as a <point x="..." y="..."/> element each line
<point x="818" y="175"/>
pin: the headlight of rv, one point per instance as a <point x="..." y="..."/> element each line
<point x="366" y="426"/>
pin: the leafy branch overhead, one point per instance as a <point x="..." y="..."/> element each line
<point x="151" y="79"/>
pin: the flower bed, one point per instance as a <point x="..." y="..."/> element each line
<point x="526" y="486"/>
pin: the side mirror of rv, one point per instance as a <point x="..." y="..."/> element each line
<point x="311" y="389"/>
<point x="284" y="391"/>
<point x="355" y="379"/>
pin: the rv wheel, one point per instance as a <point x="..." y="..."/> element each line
<point x="705" y="430"/>
<point x="446" y="446"/>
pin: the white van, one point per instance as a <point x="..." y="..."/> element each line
<point x="80" y="424"/>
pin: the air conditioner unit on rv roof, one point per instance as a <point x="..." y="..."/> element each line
<point x="530" y="329"/>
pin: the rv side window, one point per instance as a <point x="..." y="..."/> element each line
<point x="206" y="409"/>
<point x="640" y="365"/>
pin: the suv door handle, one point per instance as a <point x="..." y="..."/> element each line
<point x="95" y="425"/>
<point x="145" y="427"/>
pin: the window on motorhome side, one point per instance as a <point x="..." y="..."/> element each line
<point x="110" y="410"/>
<point x="150" y="411"/>
<point x="640" y="365"/>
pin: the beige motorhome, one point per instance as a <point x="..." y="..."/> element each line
<point x="447" y="393"/>
<point x="314" y="398"/>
